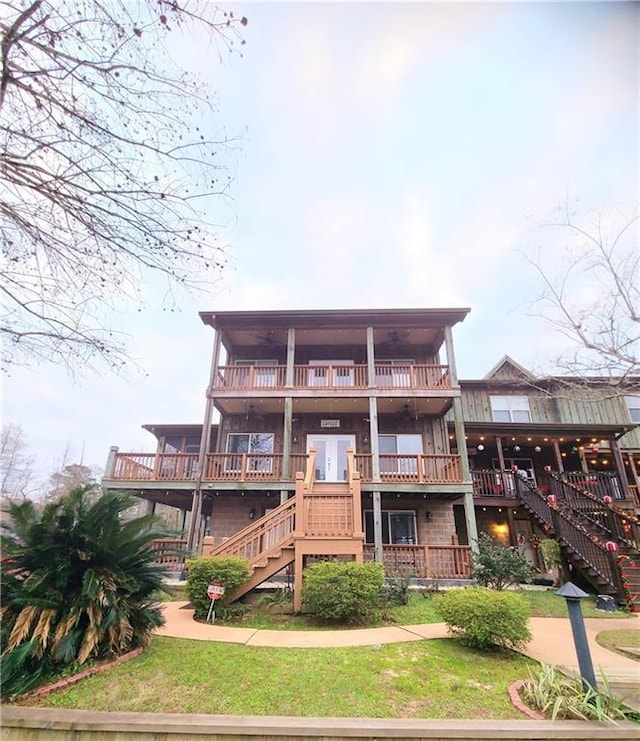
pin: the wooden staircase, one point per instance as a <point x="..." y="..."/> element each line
<point x="599" y="540"/>
<point x="322" y="520"/>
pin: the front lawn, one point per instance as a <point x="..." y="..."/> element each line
<point x="425" y="679"/>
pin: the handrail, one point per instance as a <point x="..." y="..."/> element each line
<point x="622" y="526"/>
<point x="241" y="543"/>
<point x="310" y="474"/>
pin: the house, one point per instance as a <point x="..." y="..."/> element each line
<point x="347" y="434"/>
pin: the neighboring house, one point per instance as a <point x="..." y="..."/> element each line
<point x="346" y="434"/>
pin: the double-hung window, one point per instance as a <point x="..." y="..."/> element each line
<point x="510" y="409"/>
<point x="399" y="454"/>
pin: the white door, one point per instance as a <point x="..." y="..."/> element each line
<point x="331" y="455"/>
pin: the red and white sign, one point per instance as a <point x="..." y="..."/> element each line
<point x="215" y="590"/>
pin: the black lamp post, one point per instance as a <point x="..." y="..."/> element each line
<point x="573" y="595"/>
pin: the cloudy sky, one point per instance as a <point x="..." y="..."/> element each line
<point x="393" y="155"/>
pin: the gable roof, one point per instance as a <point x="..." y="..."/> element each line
<point x="507" y="369"/>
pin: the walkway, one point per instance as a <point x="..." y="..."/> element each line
<point x="552" y="641"/>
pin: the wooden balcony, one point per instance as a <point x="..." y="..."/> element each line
<point x="425" y="561"/>
<point x="259" y="467"/>
<point x="332" y="377"/>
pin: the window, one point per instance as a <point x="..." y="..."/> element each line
<point x="633" y="407"/>
<point x="510" y="409"/>
<point x="257" y="446"/>
<point x="265" y="374"/>
<point x="399" y="453"/>
<point x="393" y="373"/>
<point x="331" y="373"/>
<point x="398" y="528"/>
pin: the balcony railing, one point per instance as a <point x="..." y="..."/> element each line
<point x="422" y="469"/>
<point x="426" y="561"/>
<point x="223" y="467"/>
<point x="333" y="377"/>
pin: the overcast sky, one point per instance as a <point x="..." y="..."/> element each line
<point x="399" y="155"/>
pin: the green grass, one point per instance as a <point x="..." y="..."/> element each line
<point x="618" y="639"/>
<point x="425" y="679"/>
<point x="546" y="603"/>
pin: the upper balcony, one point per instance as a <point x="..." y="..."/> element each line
<point x="335" y="379"/>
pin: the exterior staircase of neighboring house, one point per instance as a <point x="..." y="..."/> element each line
<point x="322" y="520"/>
<point x="599" y="540"/>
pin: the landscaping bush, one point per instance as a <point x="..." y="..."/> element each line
<point x="343" y="592"/>
<point x="497" y="566"/>
<point x="395" y="590"/>
<point x="230" y="572"/>
<point x="77" y="584"/>
<point x="551" y="553"/>
<point x="482" y="617"/>
<point x="559" y="696"/>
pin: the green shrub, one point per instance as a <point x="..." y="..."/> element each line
<point x="343" y="592"/>
<point x="230" y="572"/>
<point x="395" y="590"/>
<point x="78" y="584"/>
<point x="497" y="566"/>
<point x="482" y="617"/>
<point x="558" y="696"/>
<point x="551" y="553"/>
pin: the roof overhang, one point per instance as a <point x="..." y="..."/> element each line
<point x="502" y="429"/>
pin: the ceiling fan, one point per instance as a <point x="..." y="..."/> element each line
<point x="270" y="339"/>
<point x="394" y="337"/>
<point x="406" y="414"/>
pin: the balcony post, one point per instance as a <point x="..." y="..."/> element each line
<point x="205" y="439"/>
<point x="469" y="512"/>
<point x="501" y="463"/>
<point x="110" y="467"/>
<point x="622" y="474"/>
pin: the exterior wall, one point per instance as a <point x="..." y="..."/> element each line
<point x="476" y="403"/>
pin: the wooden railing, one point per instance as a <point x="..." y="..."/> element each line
<point x="335" y="377"/>
<point x="599" y="484"/>
<point x="263" y="536"/>
<point x="170" y="553"/>
<point x="423" y="469"/>
<point x="634" y="494"/>
<point x="425" y="561"/>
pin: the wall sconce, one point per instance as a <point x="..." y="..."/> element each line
<point x="295" y="438"/>
<point x="480" y="447"/>
<point x="428" y="516"/>
<point x="365" y="440"/>
<point x="252" y="513"/>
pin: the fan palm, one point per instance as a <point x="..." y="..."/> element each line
<point x="77" y="583"/>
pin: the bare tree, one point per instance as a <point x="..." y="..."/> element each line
<point x="16" y="464"/>
<point x="107" y="167"/>
<point x="590" y="294"/>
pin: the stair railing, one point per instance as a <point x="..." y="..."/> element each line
<point x="587" y="546"/>
<point x="263" y="536"/>
<point x="533" y="499"/>
<point x="622" y="526"/>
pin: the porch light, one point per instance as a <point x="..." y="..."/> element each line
<point x="428" y="516"/>
<point x="252" y="513"/>
<point x="480" y="447"/>
<point x="517" y="448"/>
<point x="537" y="449"/>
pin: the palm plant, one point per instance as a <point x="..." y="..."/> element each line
<point x="77" y="583"/>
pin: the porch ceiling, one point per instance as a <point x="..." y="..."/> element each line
<point x="315" y="404"/>
<point x="537" y="431"/>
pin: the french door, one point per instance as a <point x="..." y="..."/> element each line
<point x="331" y="455"/>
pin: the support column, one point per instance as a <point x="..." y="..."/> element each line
<point x="151" y="507"/>
<point x="622" y="474"/>
<point x="205" y="439"/>
<point x="375" y="448"/>
<point x="110" y="467"/>
<point x="558" y="455"/>
<point x="461" y="442"/>
<point x="503" y="478"/>
<point x="287" y="433"/>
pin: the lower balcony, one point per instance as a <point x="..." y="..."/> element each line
<point x="425" y="561"/>
<point x="258" y="467"/>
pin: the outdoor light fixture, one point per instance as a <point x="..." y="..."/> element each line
<point x="537" y="449"/>
<point x="252" y="513"/>
<point x="480" y="447"/>
<point x="428" y="516"/>
<point x="516" y="448"/>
